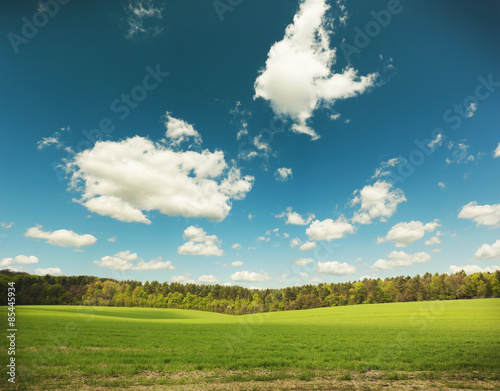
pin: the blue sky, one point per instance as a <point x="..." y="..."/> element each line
<point x="263" y="144"/>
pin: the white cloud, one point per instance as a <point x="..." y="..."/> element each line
<point x="460" y="153"/>
<point x="53" y="271"/>
<point x="5" y="225"/>
<point x="154" y="264"/>
<point x="437" y="142"/>
<point x="315" y="281"/>
<point x="442" y="185"/>
<point x="469" y="269"/>
<point x="53" y="140"/>
<point x="329" y="229"/>
<point x="385" y="167"/>
<point x="304" y="274"/>
<point x="336" y="268"/>
<point x="19" y="259"/>
<point x="303" y="261"/>
<point x="404" y="234"/>
<point x="179" y="131"/>
<point x="487" y="251"/>
<point x="283" y="174"/>
<point x="246" y="276"/>
<point x="122" y="179"/>
<point x="236" y="246"/>
<point x="298" y="76"/>
<point x="112" y="239"/>
<point x="294" y="218"/>
<point x="237" y="263"/>
<point x="182" y="279"/>
<point x="286" y="235"/>
<point x="250" y="216"/>
<point x="61" y="237"/>
<point x="377" y="201"/>
<point x="141" y="19"/>
<point x="199" y="243"/>
<point x="471" y="110"/>
<point x="295" y="242"/>
<point x="122" y="262"/>
<point x="496" y="153"/>
<point x="481" y="214"/>
<point x="434" y="240"/>
<point x="308" y="246"/>
<point x="399" y="259"/>
<point x="263" y="239"/>
<point x="208" y="279"/>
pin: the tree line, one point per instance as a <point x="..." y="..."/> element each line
<point x="236" y="300"/>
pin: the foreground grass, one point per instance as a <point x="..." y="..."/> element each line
<point x="76" y="347"/>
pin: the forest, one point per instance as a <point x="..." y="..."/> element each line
<point x="237" y="300"/>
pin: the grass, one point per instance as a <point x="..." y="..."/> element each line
<point x="121" y="347"/>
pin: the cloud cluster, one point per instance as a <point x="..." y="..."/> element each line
<point x="142" y="15"/>
<point x="399" y="259"/>
<point x="19" y="260"/>
<point x="122" y="262"/>
<point x="329" y="229"/>
<point x="404" y="234"/>
<point x="294" y="218"/>
<point x="61" y="237"/>
<point x="123" y="179"/>
<point x="246" y="276"/>
<point x="283" y="174"/>
<point x="336" y="268"/>
<point x="377" y="201"/>
<point x="298" y="76"/>
<point x="488" y="215"/>
<point x="469" y="269"/>
<point x="199" y="243"/>
<point x="487" y="251"/>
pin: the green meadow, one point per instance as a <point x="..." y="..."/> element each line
<point x="69" y="347"/>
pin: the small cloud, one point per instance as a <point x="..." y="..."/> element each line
<point x="294" y="218"/>
<point x="247" y="276"/>
<point x="496" y="153"/>
<point x="403" y="234"/>
<point x="488" y="215"/>
<point x="308" y="246"/>
<point x="336" y="268"/>
<point x="263" y="239"/>
<point x="5" y="225"/>
<point x="398" y="259"/>
<point x="471" y="110"/>
<point x="295" y="242"/>
<point x="469" y="269"/>
<point x="303" y="261"/>
<point x="250" y="216"/>
<point x="199" y="243"/>
<point x="61" y="237"/>
<point x="442" y="185"/>
<point x="236" y="246"/>
<point x="237" y="263"/>
<point x="437" y="142"/>
<point x="487" y="251"/>
<point x="142" y="16"/>
<point x="179" y="131"/>
<point x="53" y="271"/>
<point x="112" y="239"/>
<point x="329" y="229"/>
<point x="208" y="279"/>
<point x="283" y="174"/>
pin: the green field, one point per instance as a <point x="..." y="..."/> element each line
<point x="66" y="347"/>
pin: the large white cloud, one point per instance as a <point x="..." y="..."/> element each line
<point x="123" y="179"/>
<point x="53" y="271"/>
<point x="469" y="269"/>
<point x="61" y="237"/>
<point x="246" y="276"/>
<point x="199" y="243"/>
<point x="336" y="268"/>
<point x="179" y="131"/>
<point x="399" y="259"/>
<point x="19" y="259"/>
<point x="329" y="229"/>
<point x="122" y="262"/>
<point x="487" y="251"/>
<point x="481" y="214"/>
<point x="298" y="75"/>
<point x="376" y="201"/>
<point x="404" y="234"/>
<point x="294" y="218"/>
